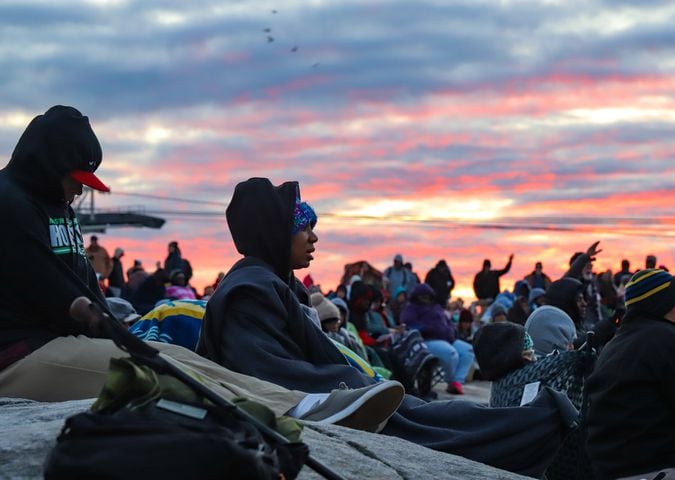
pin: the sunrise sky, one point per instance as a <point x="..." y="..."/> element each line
<point x="460" y="130"/>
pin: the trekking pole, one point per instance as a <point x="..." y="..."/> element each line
<point x="82" y="308"/>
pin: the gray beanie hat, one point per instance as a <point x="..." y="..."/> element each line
<point x="122" y="310"/>
<point x="535" y="293"/>
<point x="324" y="307"/>
<point x="550" y="329"/>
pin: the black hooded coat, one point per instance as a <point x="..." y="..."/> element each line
<point x="258" y="323"/>
<point x="42" y="257"/>
<point x="563" y="294"/>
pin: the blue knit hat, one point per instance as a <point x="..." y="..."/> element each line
<point x="651" y="293"/>
<point x="303" y="215"/>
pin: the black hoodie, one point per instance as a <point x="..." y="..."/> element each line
<point x="42" y="257"/>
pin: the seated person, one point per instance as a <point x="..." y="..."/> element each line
<point x="329" y="316"/>
<point x="502" y="348"/>
<point x="423" y="313"/>
<point x="372" y="327"/>
<point x="179" y="289"/>
<point x="574" y="291"/>
<point x="465" y="326"/>
<point x="375" y="334"/>
<point x="46" y="353"/>
<point x="551" y="329"/>
<point x="632" y="389"/>
<point x="519" y="311"/>
<point x="149" y="291"/>
<point x="505" y="355"/>
<point x="396" y="303"/>
<point x="257" y="323"/>
<point x="536" y="298"/>
<point x="355" y="343"/>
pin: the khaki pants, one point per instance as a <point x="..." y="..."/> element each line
<point x="73" y="368"/>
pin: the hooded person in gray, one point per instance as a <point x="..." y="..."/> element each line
<point x="550" y="329"/>
<point x="258" y="323"/>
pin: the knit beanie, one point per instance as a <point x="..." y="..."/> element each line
<point x="550" y="329"/>
<point x="303" y="215"/>
<point x="122" y="310"/>
<point x="398" y="291"/>
<point x="421" y="290"/>
<point x="499" y="349"/>
<point x="497" y="309"/>
<point x="650" y="293"/>
<point x="536" y="293"/>
<point x="325" y="307"/>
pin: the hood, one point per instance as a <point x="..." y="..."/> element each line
<point x="550" y="329"/>
<point x="563" y="293"/>
<point x="54" y="144"/>
<point x="420" y="290"/>
<point x="521" y="285"/>
<point x="499" y="349"/>
<point x="260" y="218"/>
<point x="359" y="291"/>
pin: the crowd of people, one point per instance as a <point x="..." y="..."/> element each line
<point x="372" y="313"/>
<point x="295" y="348"/>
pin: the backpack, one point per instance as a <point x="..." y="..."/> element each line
<point x="413" y="363"/>
<point x="148" y="425"/>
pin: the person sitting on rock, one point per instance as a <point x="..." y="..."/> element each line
<point x="423" y="313"/>
<point x="502" y="348"/>
<point x="632" y="388"/>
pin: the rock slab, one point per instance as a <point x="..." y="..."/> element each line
<point x="29" y="430"/>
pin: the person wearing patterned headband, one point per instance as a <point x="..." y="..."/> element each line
<point x="631" y="419"/>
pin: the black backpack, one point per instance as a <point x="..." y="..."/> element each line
<point x="413" y="363"/>
<point x="169" y="442"/>
<point x="161" y="422"/>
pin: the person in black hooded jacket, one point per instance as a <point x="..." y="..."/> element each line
<point x="41" y="238"/>
<point x="259" y="323"/>
<point x="568" y="295"/>
<point x="631" y="415"/>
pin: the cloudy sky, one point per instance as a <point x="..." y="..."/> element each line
<point x="458" y="130"/>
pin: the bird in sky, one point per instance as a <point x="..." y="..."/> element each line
<point x="267" y="30"/>
<point x="270" y="39"/>
<point x="294" y="49"/>
<point x="274" y="11"/>
<point x="315" y="65"/>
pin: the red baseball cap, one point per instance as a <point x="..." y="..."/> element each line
<point x="90" y="180"/>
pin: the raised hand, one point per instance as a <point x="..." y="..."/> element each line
<point x="593" y="251"/>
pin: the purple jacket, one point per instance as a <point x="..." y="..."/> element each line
<point x="430" y="320"/>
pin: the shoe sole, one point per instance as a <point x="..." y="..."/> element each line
<point x="370" y="412"/>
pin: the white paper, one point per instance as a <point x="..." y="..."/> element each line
<point x="529" y="392"/>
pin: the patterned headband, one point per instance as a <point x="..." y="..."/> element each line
<point x="303" y="215"/>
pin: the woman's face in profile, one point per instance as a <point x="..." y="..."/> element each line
<point x="302" y="247"/>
